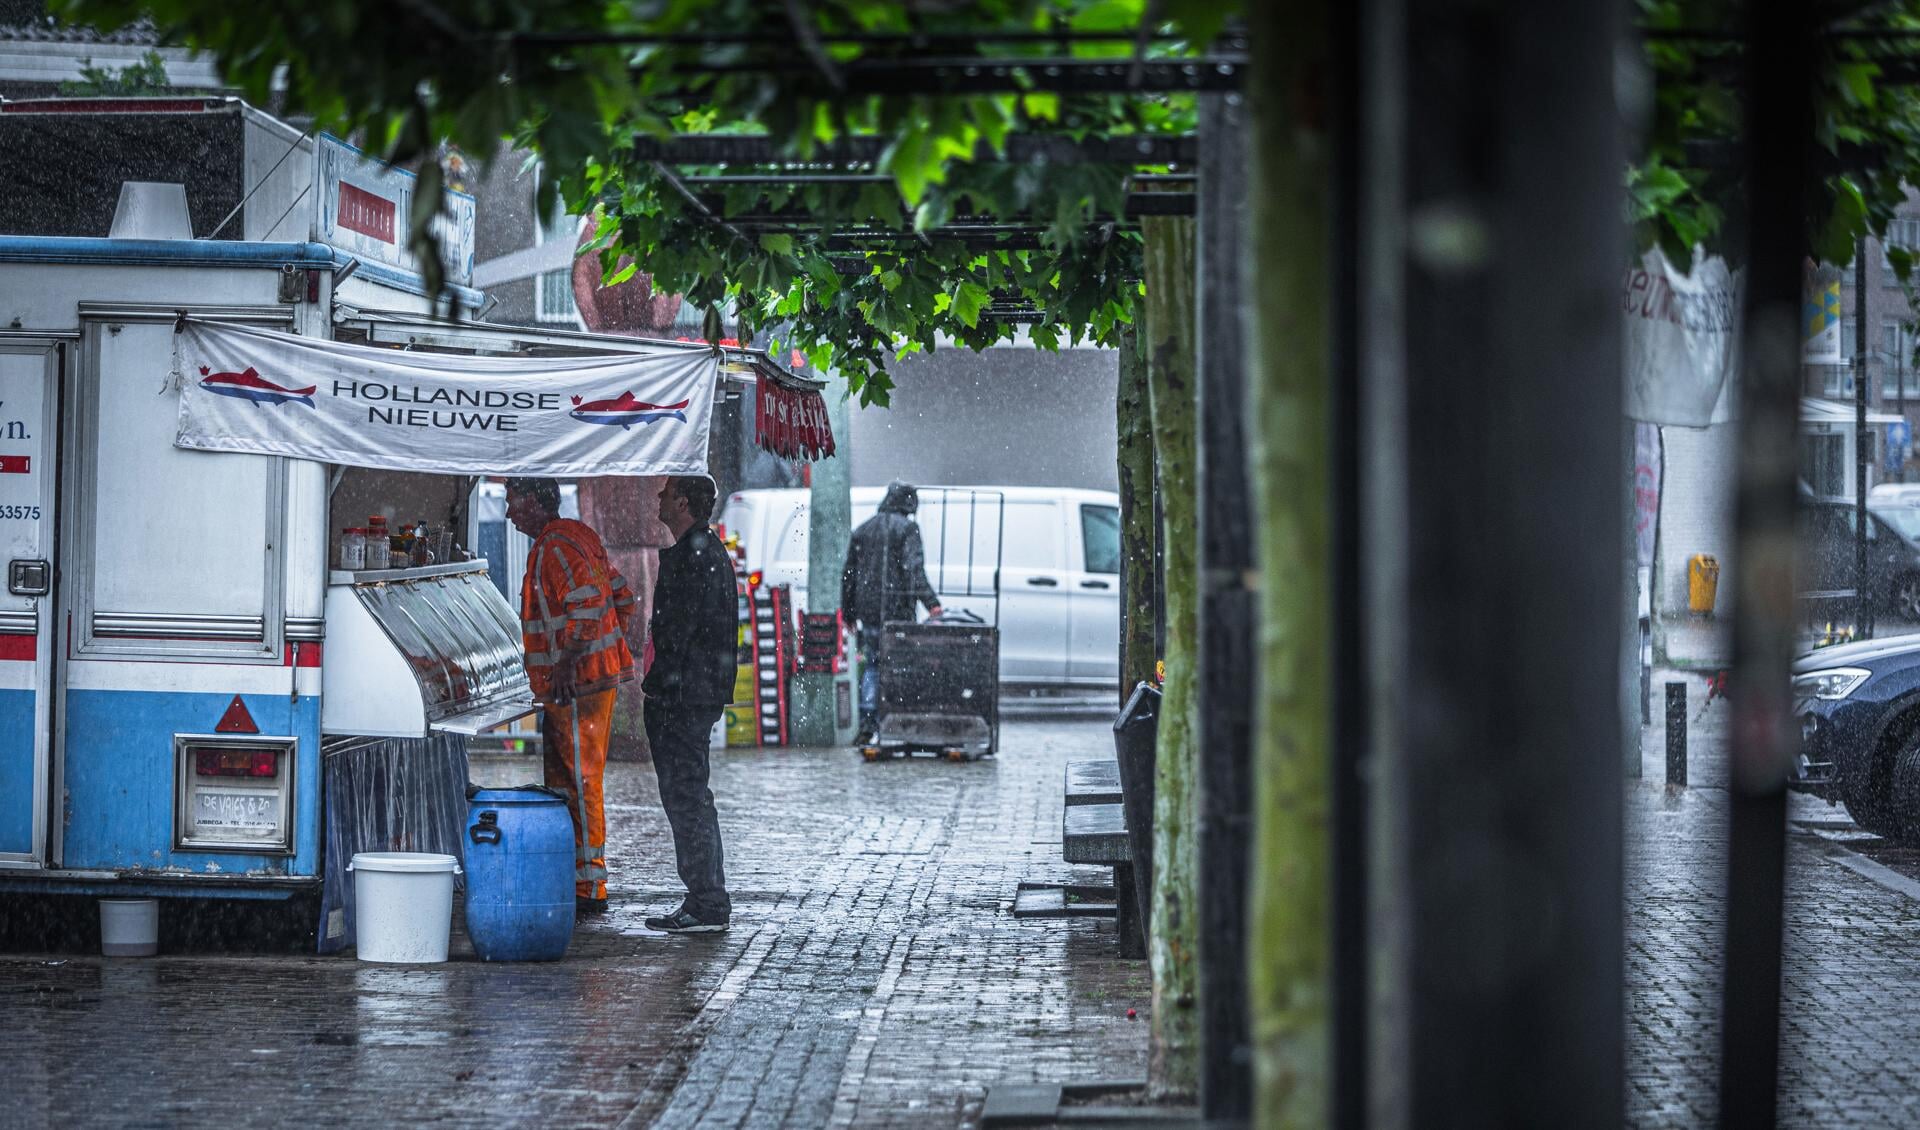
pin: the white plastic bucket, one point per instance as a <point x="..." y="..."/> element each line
<point x="402" y="905"/>
<point x="129" y="927"/>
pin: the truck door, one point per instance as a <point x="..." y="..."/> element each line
<point x="30" y="373"/>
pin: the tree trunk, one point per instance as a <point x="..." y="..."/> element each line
<point x="1290" y="457"/>
<point x="1173" y="1063"/>
<point x="1137" y="651"/>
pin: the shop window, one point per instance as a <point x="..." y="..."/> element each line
<point x="1896" y="362"/>
<point x="553" y="291"/>
<point x="554" y="298"/>
<point x="1903" y="233"/>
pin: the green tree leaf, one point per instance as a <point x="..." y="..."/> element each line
<point x="969" y="298"/>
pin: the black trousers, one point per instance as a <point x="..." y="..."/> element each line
<point x="678" y="735"/>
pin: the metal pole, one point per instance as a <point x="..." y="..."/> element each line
<point x="1227" y="612"/>
<point x="1503" y="810"/>
<point x="1779" y="137"/>
<point x="1347" y="779"/>
<point x="1677" y="734"/>
<point x="1862" y="443"/>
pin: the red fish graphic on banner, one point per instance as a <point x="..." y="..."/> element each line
<point x="625" y="411"/>
<point x="250" y="385"/>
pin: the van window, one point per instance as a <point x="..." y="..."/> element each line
<point x="1100" y="533"/>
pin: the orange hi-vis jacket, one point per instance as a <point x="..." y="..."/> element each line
<point x="574" y="602"/>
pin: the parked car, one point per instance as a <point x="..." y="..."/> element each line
<point x="1059" y="606"/>
<point x="1827" y="548"/>
<point x="1859" y="711"/>
<point x="1903" y="494"/>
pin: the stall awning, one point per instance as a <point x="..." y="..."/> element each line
<point x="246" y="389"/>
<point x="790" y="414"/>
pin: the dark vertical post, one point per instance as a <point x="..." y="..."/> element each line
<point x="1862" y="444"/>
<point x="1779" y="133"/>
<point x="1348" y="729"/>
<point x="1677" y="734"/>
<point x="1227" y="611"/>
<point x="1503" y="816"/>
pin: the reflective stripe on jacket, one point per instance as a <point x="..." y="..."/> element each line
<point x="573" y="602"/>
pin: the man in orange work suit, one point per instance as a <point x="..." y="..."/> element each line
<point x="574" y="616"/>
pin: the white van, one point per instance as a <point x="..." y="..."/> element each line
<point x="1059" y="606"/>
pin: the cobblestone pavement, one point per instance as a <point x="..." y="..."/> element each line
<point x="1850" y="1018"/>
<point x="873" y="977"/>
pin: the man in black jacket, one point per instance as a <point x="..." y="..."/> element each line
<point x="884" y="578"/>
<point x="694" y="631"/>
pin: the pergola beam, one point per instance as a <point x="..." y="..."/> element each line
<point x="1193" y="74"/>
<point x="877" y="41"/>
<point x="1138" y="204"/>
<point x="1021" y="149"/>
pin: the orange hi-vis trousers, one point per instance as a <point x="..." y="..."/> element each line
<point x="574" y="741"/>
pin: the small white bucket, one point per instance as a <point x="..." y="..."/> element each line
<point x="402" y="905"/>
<point x="129" y="927"/>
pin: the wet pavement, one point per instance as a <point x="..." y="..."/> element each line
<point x="873" y="977"/>
<point x="1849" y="1053"/>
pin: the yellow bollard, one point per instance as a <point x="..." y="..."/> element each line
<point x="1703" y="583"/>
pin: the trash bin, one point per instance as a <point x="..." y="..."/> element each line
<point x="1703" y="582"/>
<point x="1134" y="733"/>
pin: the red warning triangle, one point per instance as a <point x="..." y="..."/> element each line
<point x="236" y="720"/>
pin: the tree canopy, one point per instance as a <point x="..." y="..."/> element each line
<point x="1687" y="187"/>
<point x="935" y="235"/>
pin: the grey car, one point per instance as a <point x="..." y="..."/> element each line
<point x="1827" y="550"/>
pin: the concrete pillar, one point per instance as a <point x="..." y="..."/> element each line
<point x="824" y="709"/>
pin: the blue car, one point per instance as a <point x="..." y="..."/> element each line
<point x="1859" y="711"/>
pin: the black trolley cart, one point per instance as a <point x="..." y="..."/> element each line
<point x="940" y="679"/>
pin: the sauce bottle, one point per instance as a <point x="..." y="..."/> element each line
<point x="379" y="547"/>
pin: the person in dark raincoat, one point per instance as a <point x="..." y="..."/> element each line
<point x="884" y="579"/>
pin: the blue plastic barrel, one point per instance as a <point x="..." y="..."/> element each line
<point x="519" y="874"/>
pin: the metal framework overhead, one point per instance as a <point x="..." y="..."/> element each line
<point x="945" y="61"/>
<point x="706" y="170"/>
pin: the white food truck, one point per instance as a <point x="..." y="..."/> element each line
<point x="195" y="699"/>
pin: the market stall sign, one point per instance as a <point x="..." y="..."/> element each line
<point x="361" y="206"/>
<point x="792" y="423"/>
<point x="252" y="390"/>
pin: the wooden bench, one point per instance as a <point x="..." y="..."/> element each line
<point x="1093" y="831"/>
<point x="1093" y="781"/>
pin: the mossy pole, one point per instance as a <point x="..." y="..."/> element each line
<point x="815" y="718"/>
<point x="1172" y="1067"/>
<point x="1290" y="457"/>
<point x="1139" y="624"/>
<point x="1228" y="612"/>
<point x="1137" y="535"/>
